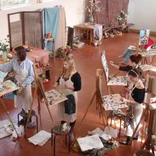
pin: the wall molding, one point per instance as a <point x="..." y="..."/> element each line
<point x="138" y="31"/>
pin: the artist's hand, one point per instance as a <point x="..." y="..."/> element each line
<point x="111" y="63"/>
<point x="124" y="100"/>
<point x="18" y="84"/>
<point x="68" y="86"/>
<point x="19" y="91"/>
<point x="55" y="85"/>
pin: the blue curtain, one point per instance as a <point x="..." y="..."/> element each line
<point x="50" y="24"/>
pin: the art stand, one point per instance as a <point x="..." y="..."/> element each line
<point x="101" y="111"/>
<point x="8" y="116"/>
<point x="148" y="142"/>
<point x="34" y="96"/>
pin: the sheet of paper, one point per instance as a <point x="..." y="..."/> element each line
<point x="118" y="81"/>
<point x="113" y="102"/>
<point x="132" y="47"/>
<point x="40" y="138"/>
<point x="90" y="142"/>
<point x="54" y="97"/>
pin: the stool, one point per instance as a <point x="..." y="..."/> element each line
<point x="57" y="130"/>
<point x="118" y="117"/>
<point x="23" y="114"/>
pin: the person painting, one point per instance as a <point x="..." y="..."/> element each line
<point x="134" y="101"/>
<point x="134" y="60"/>
<point x="69" y="82"/>
<point x="129" y="52"/>
<point x="22" y="68"/>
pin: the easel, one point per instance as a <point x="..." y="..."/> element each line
<point x="106" y="74"/>
<point x="39" y="93"/>
<point x="98" y="95"/>
<point x="148" y="140"/>
<point x="8" y="115"/>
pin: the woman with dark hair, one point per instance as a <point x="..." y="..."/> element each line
<point x="129" y="52"/>
<point x="22" y="68"/>
<point x="134" y="60"/>
<point x="134" y="101"/>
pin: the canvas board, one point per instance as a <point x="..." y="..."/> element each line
<point x="144" y="36"/>
<point x="116" y="80"/>
<point x="113" y="102"/>
<point x="7" y="87"/>
<point x="147" y="67"/>
<point x="54" y="97"/>
<point x="105" y="66"/>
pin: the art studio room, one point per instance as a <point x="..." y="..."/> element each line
<point x="77" y="77"/>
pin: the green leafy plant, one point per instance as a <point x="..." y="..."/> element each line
<point x="122" y="17"/>
<point x="4" y="45"/>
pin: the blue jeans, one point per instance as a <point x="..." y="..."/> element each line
<point x="127" y="54"/>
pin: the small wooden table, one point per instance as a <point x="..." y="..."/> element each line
<point x="88" y="28"/>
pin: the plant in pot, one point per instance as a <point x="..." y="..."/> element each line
<point x="4" y="47"/>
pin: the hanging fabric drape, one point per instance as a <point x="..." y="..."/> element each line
<point x="109" y="10"/>
<point x="54" y="21"/>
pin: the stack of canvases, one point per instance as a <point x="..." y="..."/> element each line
<point x="55" y="23"/>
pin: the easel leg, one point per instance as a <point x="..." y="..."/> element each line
<point x="144" y="114"/>
<point x="39" y="112"/>
<point x="9" y="116"/>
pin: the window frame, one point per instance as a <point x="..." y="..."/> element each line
<point x="13" y="6"/>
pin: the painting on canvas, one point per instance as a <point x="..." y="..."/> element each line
<point x="143" y="38"/>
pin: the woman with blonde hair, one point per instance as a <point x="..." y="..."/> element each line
<point x="69" y="82"/>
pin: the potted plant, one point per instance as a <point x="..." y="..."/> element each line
<point x="4" y="46"/>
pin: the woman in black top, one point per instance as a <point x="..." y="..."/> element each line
<point x="134" y="101"/>
<point x="133" y="63"/>
<point x="69" y="82"/>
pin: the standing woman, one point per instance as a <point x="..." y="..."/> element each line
<point x="69" y="82"/>
<point x="135" y="100"/>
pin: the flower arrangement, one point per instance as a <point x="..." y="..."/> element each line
<point x="4" y="45"/>
<point x="93" y="7"/>
<point x="63" y="52"/>
<point x="122" y="17"/>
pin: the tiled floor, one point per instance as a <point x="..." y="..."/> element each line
<point x="87" y="61"/>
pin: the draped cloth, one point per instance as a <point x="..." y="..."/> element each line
<point x="55" y="22"/>
<point x="109" y="10"/>
<point x="62" y="37"/>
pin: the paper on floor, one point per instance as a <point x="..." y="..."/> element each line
<point x="90" y="142"/>
<point x="40" y="138"/>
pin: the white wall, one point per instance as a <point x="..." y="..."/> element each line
<point x="143" y="14"/>
<point x="74" y="12"/>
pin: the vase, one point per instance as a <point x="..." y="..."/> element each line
<point x="91" y="19"/>
<point x="4" y="56"/>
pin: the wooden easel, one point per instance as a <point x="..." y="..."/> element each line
<point x="147" y="144"/>
<point x="39" y="93"/>
<point x="101" y="111"/>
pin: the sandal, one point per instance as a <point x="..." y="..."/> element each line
<point x="123" y="142"/>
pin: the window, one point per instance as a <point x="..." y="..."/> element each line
<point x="11" y="3"/>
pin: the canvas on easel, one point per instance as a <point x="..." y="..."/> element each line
<point x="144" y="36"/>
<point x="109" y="102"/>
<point x="115" y="80"/>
